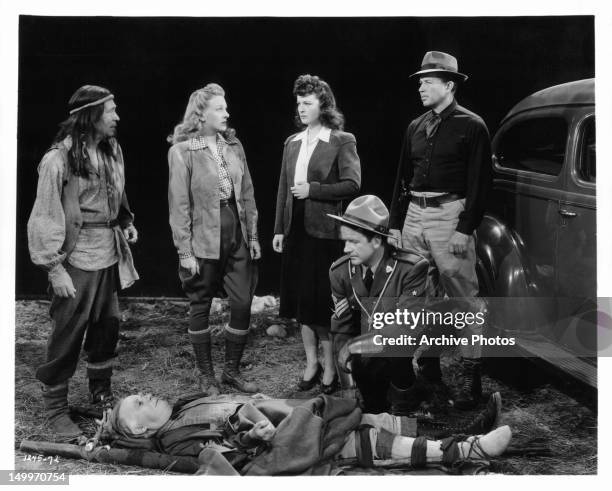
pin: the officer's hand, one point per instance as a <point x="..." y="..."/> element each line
<point x="263" y="430"/>
<point x="458" y="244"/>
<point x="301" y="190"/>
<point x="344" y="357"/>
<point x="131" y="234"/>
<point x="277" y="242"/>
<point x="416" y="368"/>
<point x="61" y="282"/>
<point x="190" y="264"/>
<point x="255" y="249"/>
<point x="397" y="237"/>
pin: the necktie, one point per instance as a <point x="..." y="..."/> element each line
<point x="367" y="280"/>
<point x="432" y="123"/>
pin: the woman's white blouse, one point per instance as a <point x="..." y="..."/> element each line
<point x="301" y="166"/>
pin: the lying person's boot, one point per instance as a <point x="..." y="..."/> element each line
<point x="484" y="447"/>
<point x="471" y="390"/>
<point x="421" y="451"/>
<point x="484" y="422"/>
<point x="201" y="342"/>
<point x="231" y="371"/>
<point x="55" y="398"/>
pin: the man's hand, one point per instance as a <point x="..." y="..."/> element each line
<point x="255" y="249"/>
<point x="62" y="285"/>
<point x="277" y="242"/>
<point x="191" y="264"/>
<point x="131" y="234"/>
<point x="344" y="358"/>
<point x="458" y="244"/>
<point x="397" y="237"/>
<point x="301" y="190"/>
<point x="263" y="430"/>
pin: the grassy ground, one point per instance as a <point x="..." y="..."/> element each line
<point x="154" y="355"/>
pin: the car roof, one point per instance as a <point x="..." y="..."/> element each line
<point x="578" y="93"/>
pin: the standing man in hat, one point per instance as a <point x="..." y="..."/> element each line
<point x="444" y="174"/>
<point x="372" y="278"/>
<point x="78" y="233"/>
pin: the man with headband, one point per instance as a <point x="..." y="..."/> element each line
<point x="234" y="434"/>
<point x="79" y="232"/>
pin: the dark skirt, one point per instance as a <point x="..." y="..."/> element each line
<point x="305" y="293"/>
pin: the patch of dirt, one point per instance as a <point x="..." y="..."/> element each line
<point x="154" y="355"/>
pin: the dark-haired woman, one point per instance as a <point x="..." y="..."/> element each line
<point x="214" y="226"/>
<point x="78" y="232"/>
<point x="320" y="169"/>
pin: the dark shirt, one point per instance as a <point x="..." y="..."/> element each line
<point x="456" y="159"/>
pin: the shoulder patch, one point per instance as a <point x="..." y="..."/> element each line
<point x="339" y="262"/>
<point x="407" y="256"/>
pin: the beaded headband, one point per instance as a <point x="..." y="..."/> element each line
<point x="94" y="103"/>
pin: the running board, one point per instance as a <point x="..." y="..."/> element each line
<point x="569" y="363"/>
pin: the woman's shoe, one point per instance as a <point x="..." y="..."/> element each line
<point x="329" y="389"/>
<point x="309" y="384"/>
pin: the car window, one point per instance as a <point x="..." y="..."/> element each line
<point x="535" y="145"/>
<point x="587" y="151"/>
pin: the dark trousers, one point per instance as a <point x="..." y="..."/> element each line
<point x="95" y="311"/>
<point x="374" y="375"/>
<point x="233" y="272"/>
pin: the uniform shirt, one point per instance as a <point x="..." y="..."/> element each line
<point x="455" y="159"/>
<point x="406" y="276"/>
<point x="306" y="149"/>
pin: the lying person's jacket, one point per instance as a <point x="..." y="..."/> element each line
<point x="309" y="433"/>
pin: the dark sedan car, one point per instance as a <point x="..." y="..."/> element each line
<point x="537" y="244"/>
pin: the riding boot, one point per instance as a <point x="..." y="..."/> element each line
<point x="55" y="398"/>
<point x="231" y="371"/>
<point x="484" y="422"/>
<point x="471" y="391"/>
<point x="201" y="342"/>
<point x="100" y="385"/>
<point x="404" y="401"/>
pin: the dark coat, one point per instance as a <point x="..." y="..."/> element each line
<point x="334" y="174"/>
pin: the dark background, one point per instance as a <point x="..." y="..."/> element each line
<point x="153" y="64"/>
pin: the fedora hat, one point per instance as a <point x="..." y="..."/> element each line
<point x="367" y="212"/>
<point x="439" y="62"/>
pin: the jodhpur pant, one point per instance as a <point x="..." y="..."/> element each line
<point x="93" y="313"/>
<point x="233" y="272"/>
<point x="428" y="232"/>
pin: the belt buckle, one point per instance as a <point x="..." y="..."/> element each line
<point x="422" y="201"/>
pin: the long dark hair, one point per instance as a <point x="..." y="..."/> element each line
<point x="330" y="114"/>
<point x="81" y="125"/>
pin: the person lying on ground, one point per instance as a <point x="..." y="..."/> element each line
<point x="235" y="434"/>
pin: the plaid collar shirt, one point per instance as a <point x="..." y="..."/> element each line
<point x="226" y="186"/>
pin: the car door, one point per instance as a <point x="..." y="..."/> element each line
<point x="530" y="153"/>
<point x="577" y="242"/>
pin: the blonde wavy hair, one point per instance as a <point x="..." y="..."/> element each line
<point x="192" y="124"/>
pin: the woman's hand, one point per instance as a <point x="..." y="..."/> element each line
<point x="255" y="249"/>
<point x="263" y="430"/>
<point x="301" y="190"/>
<point x="277" y="242"/>
<point x="190" y="264"/>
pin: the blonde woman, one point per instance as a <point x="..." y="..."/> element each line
<point x="213" y="217"/>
